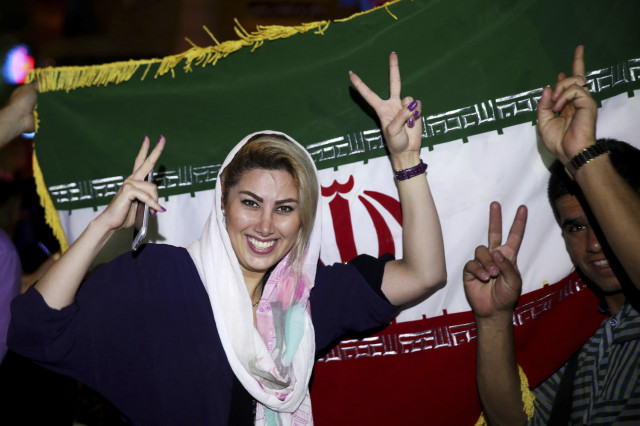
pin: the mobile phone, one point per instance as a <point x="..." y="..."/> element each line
<point x="142" y="219"/>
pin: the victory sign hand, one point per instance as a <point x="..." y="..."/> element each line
<point x="399" y="118"/>
<point x="492" y="282"/>
<point x="121" y="212"/>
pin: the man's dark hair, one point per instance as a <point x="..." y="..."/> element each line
<point x="624" y="157"/>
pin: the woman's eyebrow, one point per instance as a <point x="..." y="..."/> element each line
<point x="252" y="195"/>
<point x="287" y="200"/>
<point x="259" y="199"/>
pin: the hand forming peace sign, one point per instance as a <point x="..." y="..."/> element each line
<point x="492" y="282"/>
<point x="399" y="118"/>
<point x="121" y="212"/>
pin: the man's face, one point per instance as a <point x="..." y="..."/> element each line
<point x="583" y="245"/>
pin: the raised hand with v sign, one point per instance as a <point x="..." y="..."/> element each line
<point x="492" y="281"/>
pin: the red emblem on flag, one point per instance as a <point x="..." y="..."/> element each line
<point x="341" y="217"/>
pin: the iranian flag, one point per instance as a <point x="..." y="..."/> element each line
<point x="479" y="68"/>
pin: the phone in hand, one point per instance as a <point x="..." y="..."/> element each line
<point x="141" y="222"/>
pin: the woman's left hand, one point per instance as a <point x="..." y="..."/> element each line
<point x="421" y="271"/>
<point x="399" y="118"/>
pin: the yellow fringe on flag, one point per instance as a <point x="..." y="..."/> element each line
<point x="50" y="213"/>
<point x="384" y="5"/>
<point x="527" y="398"/>
<point x="527" y="395"/>
<point x="74" y="77"/>
<point x="36" y="120"/>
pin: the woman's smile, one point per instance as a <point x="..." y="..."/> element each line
<point x="261" y="247"/>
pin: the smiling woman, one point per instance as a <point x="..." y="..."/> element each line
<point x="266" y="213"/>
<point x="279" y="154"/>
<point x="291" y="183"/>
<point x="263" y="223"/>
<point x="243" y="311"/>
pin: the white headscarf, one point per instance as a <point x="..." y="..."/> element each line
<point x="274" y="364"/>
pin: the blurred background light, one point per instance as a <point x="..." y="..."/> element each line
<point x="17" y="65"/>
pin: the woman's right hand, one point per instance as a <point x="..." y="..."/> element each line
<point x="121" y="212"/>
<point x="58" y="286"/>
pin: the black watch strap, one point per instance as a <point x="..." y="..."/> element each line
<point x="585" y="156"/>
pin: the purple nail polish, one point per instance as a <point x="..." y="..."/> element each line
<point x="413" y="105"/>
<point x="161" y="136"/>
<point x="163" y="209"/>
<point x="416" y="114"/>
<point x="410" y="122"/>
<point x="155" y="213"/>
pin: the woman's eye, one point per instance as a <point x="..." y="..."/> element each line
<point x="284" y="209"/>
<point x="250" y="203"/>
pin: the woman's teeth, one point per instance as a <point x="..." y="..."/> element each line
<point x="261" y="245"/>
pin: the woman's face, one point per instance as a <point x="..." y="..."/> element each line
<point x="262" y="219"/>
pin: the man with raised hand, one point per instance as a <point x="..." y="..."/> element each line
<point x="593" y="192"/>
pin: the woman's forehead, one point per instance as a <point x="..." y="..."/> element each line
<point x="267" y="182"/>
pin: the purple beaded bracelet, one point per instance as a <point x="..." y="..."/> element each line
<point x="411" y="171"/>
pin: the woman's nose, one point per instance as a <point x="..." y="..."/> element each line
<point x="265" y="225"/>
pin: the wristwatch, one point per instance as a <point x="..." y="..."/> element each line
<point x="583" y="157"/>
